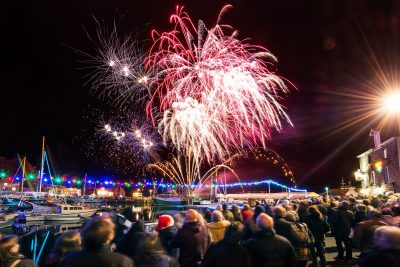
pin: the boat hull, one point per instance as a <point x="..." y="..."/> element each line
<point x="5" y="224"/>
<point x="63" y="217"/>
<point x="168" y="201"/>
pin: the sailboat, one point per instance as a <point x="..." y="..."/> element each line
<point x="58" y="212"/>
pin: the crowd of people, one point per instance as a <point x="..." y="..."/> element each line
<point x="282" y="233"/>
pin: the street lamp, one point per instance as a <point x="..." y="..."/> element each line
<point x="327" y="192"/>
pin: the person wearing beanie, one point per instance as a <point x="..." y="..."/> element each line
<point x="166" y="232"/>
<point x="216" y="228"/>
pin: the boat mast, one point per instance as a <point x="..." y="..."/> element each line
<point x="84" y="186"/>
<point x="41" y="168"/>
<point x="23" y="175"/>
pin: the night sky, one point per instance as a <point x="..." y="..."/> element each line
<point x="331" y="51"/>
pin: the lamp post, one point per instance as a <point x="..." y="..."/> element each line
<point x="327" y="193"/>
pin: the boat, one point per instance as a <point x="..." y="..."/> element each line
<point x="69" y="213"/>
<point x="168" y="200"/>
<point x="7" y="219"/>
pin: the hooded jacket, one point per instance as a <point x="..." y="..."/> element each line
<point x="192" y="239"/>
<point x="216" y="230"/>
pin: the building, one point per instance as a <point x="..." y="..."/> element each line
<point x="380" y="166"/>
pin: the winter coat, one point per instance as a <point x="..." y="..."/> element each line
<point x="102" y="257"/>
<point x="225" y="254"/>
<point x="237" y="216"/>
<point x="270" y="249"/>
<point x="342" y="222"/>
<point x="128" y="244"/>
<point x="323" y="209"/>
<point x="381" y="257"/>
<point x="53" y="259"/>
<point x="165" y="235"/>
<point x="250" y="228"/>
<point x="192" y="239"/>
<point x="247" y="214"/>
<point x="301" y="241"/>
<point x="216" y="230"/>
<point x="284" y="228"/>
<point x="318" y="227"/>
<point x="156" y="261"/>
<point x="360" y="217"/>
<point x="364" y="233"/>
<point x="18" y="261"/>
<point x="228" y="215"/>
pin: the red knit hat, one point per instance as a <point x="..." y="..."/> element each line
<point x="164" y="221"/>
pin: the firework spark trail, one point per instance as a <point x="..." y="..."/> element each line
<point x="216" y="95"/>
<point x="186" y="170"/>
<point x="140" y="139"/>
<point x="118" y="70"/>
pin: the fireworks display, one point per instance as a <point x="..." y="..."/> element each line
<point x="118" y="71"/>
<point x="207" y="92"/>
<point x="216" y="93"/>
<point x="264" y="154"/>
<point x="186" y="170"/>
<point x="123" y="142"/>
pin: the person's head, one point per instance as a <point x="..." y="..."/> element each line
<point x="235" y="208"/>
<point x="344" y="205"/>
<point x="387" y="237"/>
<point x="361" y="208"/>
<point x="334" y="204"/>
<point x="280" y="212"/>
<point x="234" y="233"/>
<point x="149" y="245"/>
<point x="164" y="221"/>
<point x="258" y="210"/>
<point x="138" y="226"/>
<point x="224" y="207"/>
<point x="67" y="242"/>
<point x="246" y="207"/>
<point x="219" y="207"/>
<point x="191" y="216"/>
<point x="9" y="247"/>
<point x="217" y="216"/>
<point x="366" y="202"/>
<point x="200" y="218"/>
<point x="265" y="222"/>
<point x="97" y="232"/>
<point x="292" y="216"/>
<point x="374" y="214"/>
<point x="314" y="211"/>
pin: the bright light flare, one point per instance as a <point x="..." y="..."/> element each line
<point x="391" y="103"/>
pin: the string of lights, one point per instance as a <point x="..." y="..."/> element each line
<point x="160" y="184"/>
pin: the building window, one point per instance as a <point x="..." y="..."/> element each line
<point x="387" y="176"/>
